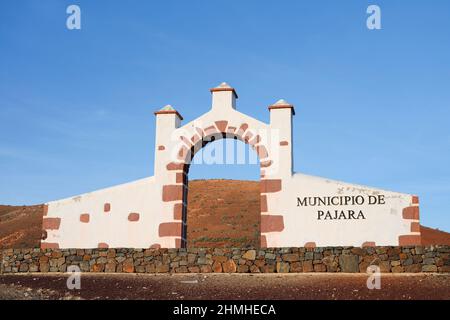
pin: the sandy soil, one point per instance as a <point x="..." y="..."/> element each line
<point x="226" y="286"/>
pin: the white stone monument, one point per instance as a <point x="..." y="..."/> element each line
<point x="296" y="209"/>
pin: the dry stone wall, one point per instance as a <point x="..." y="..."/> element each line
<point x="193" y="260"/>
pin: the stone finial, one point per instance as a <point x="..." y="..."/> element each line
<point x="224" y="87"/>
<point x="168" y="109"/>
<point x="282" y="104"/>
<point x="223" y="96"/>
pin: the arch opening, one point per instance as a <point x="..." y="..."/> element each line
<point x="219" y="211"/>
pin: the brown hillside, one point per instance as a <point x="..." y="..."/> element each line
<point x="20" y="226"/>
<point x="434" y="236"/>
<point x="221" y="213"/>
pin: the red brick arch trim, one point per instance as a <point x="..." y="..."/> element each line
<point x="177" y="191"/>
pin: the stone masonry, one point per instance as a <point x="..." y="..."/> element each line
<point x="408" y="259"/>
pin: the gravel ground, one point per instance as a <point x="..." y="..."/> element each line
<point x="225" y="286"/>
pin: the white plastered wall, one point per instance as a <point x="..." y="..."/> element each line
<point x="112" y="227"/>
<point x="383" y="223"/>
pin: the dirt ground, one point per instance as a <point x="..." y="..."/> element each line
<point x="226" y="286"/>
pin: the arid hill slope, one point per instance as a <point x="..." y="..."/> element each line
<point x="20" y="226"/>
<point x="221" y="213"/>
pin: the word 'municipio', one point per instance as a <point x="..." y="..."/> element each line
<point x="340" y="200"/>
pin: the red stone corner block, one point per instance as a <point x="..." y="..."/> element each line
<point x="368" y="244"/>
<point x="409" y="240"/>
<point x="272" y="223"/>
<point x="133" y="217"/>
<point x="310" y="245"/>
<point x="170" y="229"/>
<point x="172" y="193"/>
<point x="222" y="125"/>
<point x="263" y="202"/>
<point x="263" y="242"/>
<point x="84" y="217"/>
<point x="270" y="185"/>
<point x="178" y="211"/>
<point x="411" y="213"/>
<point x="415" y="227"/>
<point x="51" y="223"/>
<point x="48" y="245"/>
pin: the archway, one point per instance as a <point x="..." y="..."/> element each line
<point x="223" y="198"/>
<point x="218" y="130"/>
<point x="177" y="144"/>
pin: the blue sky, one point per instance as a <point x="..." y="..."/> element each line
<point x="372" y="107"/>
